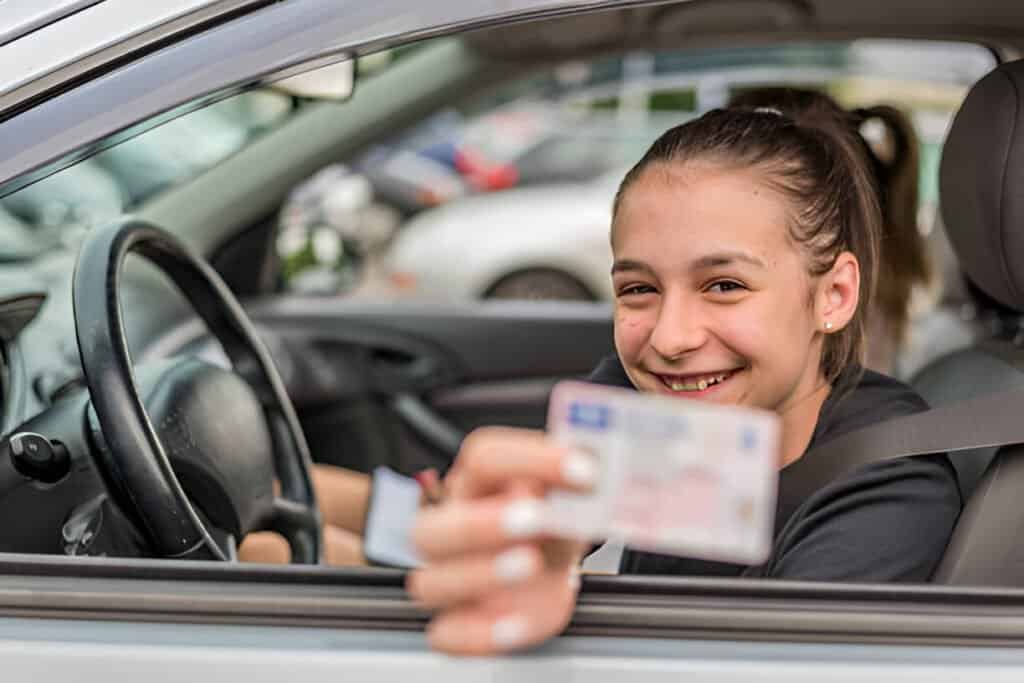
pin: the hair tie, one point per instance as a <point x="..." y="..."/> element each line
<point x="769" y="110"/>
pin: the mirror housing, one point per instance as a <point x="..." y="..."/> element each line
<point x="328" y="78"/>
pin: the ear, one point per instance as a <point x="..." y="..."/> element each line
<point x="838" y="294"/>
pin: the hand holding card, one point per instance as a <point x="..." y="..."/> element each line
<point x="502" y="550"/>
<point x="499" y="580"/>
<point x="676" y="476"/>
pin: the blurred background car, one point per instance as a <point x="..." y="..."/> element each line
<point x="556" y="147"/>
<point x="417" y="169"/>
<point x="512" y="243"/>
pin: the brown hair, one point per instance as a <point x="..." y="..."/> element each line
<point x="904" y="260"/>
<point x="819" y="165"/>
<point x="903" y="256"/>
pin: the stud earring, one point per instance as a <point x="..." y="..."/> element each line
<point x="828" y="325"/>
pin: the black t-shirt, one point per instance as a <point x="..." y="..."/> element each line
<point x="886" y="521"/>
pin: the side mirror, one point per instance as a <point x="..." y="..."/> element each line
<point x="329" y="78"/>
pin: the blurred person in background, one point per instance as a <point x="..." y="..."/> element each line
<point x="905" y="268"/>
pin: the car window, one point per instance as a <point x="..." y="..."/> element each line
<point x="505" y="194"/>
<point x="120" y="174"/>
<point x="60" y="208"/>
<point x="498" y="183"/>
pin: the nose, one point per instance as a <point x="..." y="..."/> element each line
<point x="680" y="327"/>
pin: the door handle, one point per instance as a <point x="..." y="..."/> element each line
<point x="396" y="370"/>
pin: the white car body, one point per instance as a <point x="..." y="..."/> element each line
<point x="508" y="232"/>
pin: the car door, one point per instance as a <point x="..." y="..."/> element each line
<point x="380" y="383"/>
<point x="116" y="619"/>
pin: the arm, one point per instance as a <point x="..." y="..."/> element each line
<point x="343" y="496"/>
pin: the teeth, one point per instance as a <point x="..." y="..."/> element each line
<point x="699" y="385"/>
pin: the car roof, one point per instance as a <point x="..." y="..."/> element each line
<point x="40" y="37"/>
<point x="24" y="16"/>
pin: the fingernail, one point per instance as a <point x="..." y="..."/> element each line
<point x="508" y="632"/>
<point x="574" y="580"/>
<point x="579" y="469"/>
<point x="522" y="518"/>
<point x="513" y="566"/>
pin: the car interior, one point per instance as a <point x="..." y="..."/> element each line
<point x="147" y="412"/>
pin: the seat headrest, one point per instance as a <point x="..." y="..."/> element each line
<point x="982" y="185"/>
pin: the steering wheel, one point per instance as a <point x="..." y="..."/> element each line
<point x="229" y="432"/>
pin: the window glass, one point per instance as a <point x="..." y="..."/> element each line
<point x="504" y="195"/>
<point x="60" y="208"/>
<point x="509" y="175"/>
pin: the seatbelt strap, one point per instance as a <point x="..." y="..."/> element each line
<point x="985" y="421"/>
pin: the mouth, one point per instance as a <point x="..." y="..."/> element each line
<point x="697" y="384"/>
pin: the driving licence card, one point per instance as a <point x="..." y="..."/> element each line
<point x="677" y="476"/>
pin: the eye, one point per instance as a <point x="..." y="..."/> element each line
<point x="725" y="287"/>
<point x="636" y="290"/>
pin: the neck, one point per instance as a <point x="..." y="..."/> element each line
<point x="799" y="421"/>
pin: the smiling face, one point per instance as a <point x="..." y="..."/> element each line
<point x="713" y="299"/>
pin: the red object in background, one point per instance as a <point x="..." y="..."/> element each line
<point x="430" y="485"/>
<point x="484" y="175"/>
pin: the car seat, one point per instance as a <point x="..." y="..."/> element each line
<point x="982" y="201"/>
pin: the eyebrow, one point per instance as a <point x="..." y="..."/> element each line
<point x="714" y="260"/>
<point x="627" y="265"/>
<point x="725" y="258"/>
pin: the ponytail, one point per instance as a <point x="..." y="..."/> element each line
<point x="904" y="257"/>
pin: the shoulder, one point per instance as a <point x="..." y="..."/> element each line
<point x="874" y="398"/>
<point x="877" y="398"/>
<point x="888" y="520"/>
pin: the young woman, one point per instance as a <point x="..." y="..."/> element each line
<point x="745" y="250"/>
